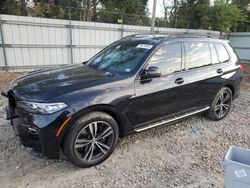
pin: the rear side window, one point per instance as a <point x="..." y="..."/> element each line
<point x="222" y="53"/>
<point x="214" y="55"/>
<point x="197" y="54"/>
<point x="167" y="58"/>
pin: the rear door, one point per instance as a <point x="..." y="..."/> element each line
<point x="203" y="69"/>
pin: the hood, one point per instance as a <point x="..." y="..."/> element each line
<point x="40" y="85"/>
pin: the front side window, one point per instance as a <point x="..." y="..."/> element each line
<point x="122" y="57"/>
<point x="167" y="58"/>
<point x="197" y="54"/>
<point x="222" y="53"/>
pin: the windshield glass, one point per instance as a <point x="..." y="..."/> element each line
<point x="122" y="57"/>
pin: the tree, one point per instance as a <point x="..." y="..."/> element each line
<point x="223" y="17"/>
<point x="130" y="11"/>
<point x="18" y="7"/>
<point x="244" y="5"/>
<point x="197" y="14"/>
<point x="23" y="8"/>
<point x="184" y="13"/>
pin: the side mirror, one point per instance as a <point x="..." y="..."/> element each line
<point x="153" y="72"/>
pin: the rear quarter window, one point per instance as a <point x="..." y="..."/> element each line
<point x="214" y="55"/>
<point x="222" y="53"/>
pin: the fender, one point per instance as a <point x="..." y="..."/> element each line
<point x="109" y="109"/>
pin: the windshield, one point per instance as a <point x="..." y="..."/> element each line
<point x="122" y="57"/>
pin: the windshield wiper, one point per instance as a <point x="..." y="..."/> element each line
<point x="85" y="62"/>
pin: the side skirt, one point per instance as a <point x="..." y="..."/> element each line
<point x="171" y="119"/>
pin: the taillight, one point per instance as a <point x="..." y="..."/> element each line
<point x="241" y="67"/>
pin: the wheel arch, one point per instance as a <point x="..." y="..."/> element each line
<point x="231" y="87"/>
<point x="109" y="109"/>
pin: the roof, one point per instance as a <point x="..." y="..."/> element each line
<point x="161" y="38"/>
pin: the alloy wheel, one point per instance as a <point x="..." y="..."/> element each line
<point x="94" y="141"/>
<point x="223" y="104"/>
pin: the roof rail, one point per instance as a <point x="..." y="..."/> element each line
<point x="188" y="35"/>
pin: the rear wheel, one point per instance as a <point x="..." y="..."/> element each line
<point x="91" y="140"/>
<point x="221" y="104"/>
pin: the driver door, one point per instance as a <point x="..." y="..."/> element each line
<point x="164" y="96"/>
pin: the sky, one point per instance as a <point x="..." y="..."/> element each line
<point x="159" y="7"/>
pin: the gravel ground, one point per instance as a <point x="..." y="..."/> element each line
<point x="167" y="156"/>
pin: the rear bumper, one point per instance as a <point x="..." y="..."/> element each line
<point x="237" y="83"/>
<point x="38" y="132"/>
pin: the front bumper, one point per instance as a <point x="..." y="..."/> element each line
<point x="38" y="132"/>
<point x="40" y="140"/>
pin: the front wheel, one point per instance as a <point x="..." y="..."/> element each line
<point x="221" y="104"/>
<point x="91" y="139"/>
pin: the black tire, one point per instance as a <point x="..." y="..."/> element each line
<point x="85" y="132"/>
<point x="214" y="113"/>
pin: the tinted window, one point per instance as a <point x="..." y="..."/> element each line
<point x="222" y="53"/>
<point x="122" y="57"/>
<point x="214" y="55"/>
<point x="197" y="54"/>
<point x="167" y="58"/>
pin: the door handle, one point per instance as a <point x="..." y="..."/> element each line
<point x="179" y="80"/>
<point x="219" y="71"/>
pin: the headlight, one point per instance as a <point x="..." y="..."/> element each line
<point x="41" y="108"/>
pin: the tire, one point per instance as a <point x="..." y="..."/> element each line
<point x="214" y="113"/>
<point x="91" y="139"/>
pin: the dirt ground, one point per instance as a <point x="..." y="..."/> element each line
<point x="183" y="154"/>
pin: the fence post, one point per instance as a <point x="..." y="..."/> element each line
<point x="70" y="38"/>
<point x="3" y="45"/>
<point x="121" y="28"/>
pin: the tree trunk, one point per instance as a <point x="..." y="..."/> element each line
<point x="94" y="4"/>
<point x="88" y="10"/>
<point x="23" y="8"/>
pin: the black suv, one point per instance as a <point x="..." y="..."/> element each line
<point x="134" y="84"/>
